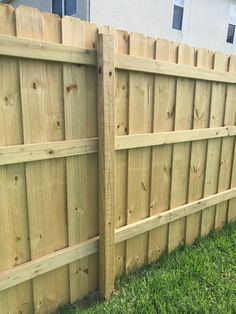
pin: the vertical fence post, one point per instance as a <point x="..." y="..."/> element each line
<point x="106" y="132"/>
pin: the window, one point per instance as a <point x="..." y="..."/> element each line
<point x="57" y="7"/>
<point x="70" y="7"/>
<point x="231" y="25"/>
<point x="230" y="34"/>
<point x="64" y="7"/>
<point x="178" y="14"/>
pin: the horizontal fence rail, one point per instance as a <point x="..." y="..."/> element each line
<point x="124" y="62"/>
<point x="65" y="256"/>
<point x="163" y="138"/>
<point x="40" y="50"/>
<point x="34" y="152"/>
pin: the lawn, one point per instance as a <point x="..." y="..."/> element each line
<point x="198" y="279"/>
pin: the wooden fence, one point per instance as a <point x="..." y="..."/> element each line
<point x="111" y="143"/>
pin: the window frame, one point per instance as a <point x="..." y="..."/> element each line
<point x="181" y="6"/>
<point x="227" y="41"/>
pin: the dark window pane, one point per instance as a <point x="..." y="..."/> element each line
<point x="70" y="7"/>
<point x="230" y="34"/>
<point x="177" y="17"/>
<point x="57" y="7"/>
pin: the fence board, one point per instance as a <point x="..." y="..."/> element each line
<point x="106" y="129"/>
<point x="214" y="145"/>
<point x="140" y="112"/>
<point x="121" y="128"/>
<point x="232" y="203"/>
<point x="80" y="97"/>
<point x="14" y="229"/>
<point x="181" y="152"/>
<point x="163" y="120"/>
<point x="227" y="150"/>
<point x="201" y="114"/>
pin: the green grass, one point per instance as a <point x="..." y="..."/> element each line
<point x="198" y="279"/>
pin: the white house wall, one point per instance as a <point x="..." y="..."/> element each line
<point x="205" y="22"/>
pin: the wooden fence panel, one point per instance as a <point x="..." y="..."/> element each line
<point x="14" y="229"/>
<point x="160" y="172"/>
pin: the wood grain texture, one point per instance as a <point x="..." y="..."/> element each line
<point x="163" y="120"/>
<point x="14" y="228"/>
<point x="145" y="65"/>
<point x="181" y="152"/>
<point x="80" y="100"/>
<point x="201" y="113"/>
<point x="167" y="154"/>
<point x="121" y="128"/>
<point x="134" y="229"/>
<point x="34" y="152"/>
<point x="121" y="39"/>
<point x="49" y="262"/>
<point x="172" y="137"/>
<point x="106" y="132"/>
<point x="227" y="150"/>
<point x="42" y="50"/>
<point x="218" y="96"/>
<point x="139" y="160"/>
<point x="41" y="94"/>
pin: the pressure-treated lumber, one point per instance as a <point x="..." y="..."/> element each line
<point x="42" y="115"/>
<point x="172" y="137"/>
<point x="227" y="150"/>
<point x="181" y="151"/>
<point x="163" y="121"/>
<point x="106" y="77"/>
<point x="141" y="64"/>
<point x="232" y="203"/>
<point x="150" y="223"/>
<point x="138" y="177"/>
<point x="121" y="128"/>
<point x="14" y="231"/>
<point x="41" y="151"/>
<point x="68" y="255"/>
<point x="164" y="154"/>
<point x="42" y="50"/>
<point x="217" y="113"/>
<point x="201" y="114"/>
<point x="80" y="105"/>
<point x="47" y="263"/>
